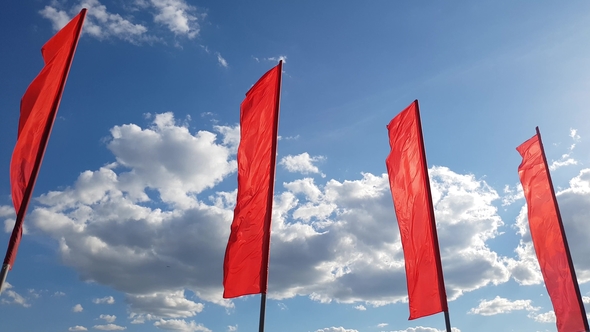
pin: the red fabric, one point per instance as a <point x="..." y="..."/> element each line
<point x="245" y="268"/>
<point x="547" y="237"/>
<point x="410" y="188"/>
<point x="37" y="113"/>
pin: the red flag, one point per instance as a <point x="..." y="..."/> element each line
<point x="37" y="113"/>
<point x="549" y="238"/>
<point x="410" y="188"/>
<point x="245" y="268"/>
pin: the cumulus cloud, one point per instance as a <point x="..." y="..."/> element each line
<point x="336" y="329"/>
<point x="546" y="317"/>
<point x="9" y="296"/>
<point x="275" y="58"/>
<point x="109" y="218"/>
<point x="512" y="194"/>
<point x="301" y="163"/>
<point x="7" y="211"/>
<point x="162" y="305"/>
<point x="566" y="159"/>
<point x="360" y="307"/>
<point x="104" y="300"/>
<point x="500" y="305"/>
<point x="180" y="325"/>
<point x="153" y="225"/>
<point x="574" y="205"/>
<point x="340" y="242"/>
<point x="77" y="308"/>
<point x="109" y="327"/>
<point x="575" y="211"/>
<point x="232" y="328"/>
<point x="288" y="138"/>
<point x="176" y="16"/>
<point x="108" y="318"/>
<point x="99" y="23"/>
<point x="222" y="62"/>
<point x="425" y="329"/>
<point x="77" y="328"/>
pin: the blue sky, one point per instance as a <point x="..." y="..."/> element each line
<point x="135" y="197"/>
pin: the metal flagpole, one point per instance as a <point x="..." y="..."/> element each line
<point x="262" y="312"/>
<point x="447" y="320"/>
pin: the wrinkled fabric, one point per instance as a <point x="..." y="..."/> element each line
<point x="410" y="188"/>
<point x="245" y="267"/>
<point x="548" y="239"/>
<point x="37" y="113"/>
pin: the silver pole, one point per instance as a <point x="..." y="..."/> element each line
<point x="3" y="275"/>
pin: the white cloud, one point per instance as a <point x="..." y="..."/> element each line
<point x="232" y="328"/>
<point x="425" y="329"/>
<point x="163" y="305"/>
<point x="525" y="268"/>
<point x="574" y="205"/>
<point x="180" y="325"/>
<point x="500" y="305"/>
<point x="178" y="16"/>
<point x="275" y="58"/>
<point x="288" y="138"/>
<point x="302" y="163"/>
<point x="9" y="226"/>
<point x="547" y="317"/>
<point x="77" y="308"/>
<point x="221" y="60"/>
<point x="108" y="318"/>
<point x="57" y="17"/>
<point x="9" y="296"/>
<point x="354" y="249"/>
<point x="7" y="211"/>
<point x="566" y="158"/>
<point x="104" y="300"/>
<point x="382" y="325"/>
<point x="99" y="23"/>
<point x="109" y="327"/>
<point x="360" y="307"/>
<point x="179" y="163"/>
<point x="512" y="195"/>
<point x="231" y="136"/>
<point x="156" y="209"/>
<point x="336" y="329"/>
<point x="574" y="135"/>
<point x="77" y="328"/>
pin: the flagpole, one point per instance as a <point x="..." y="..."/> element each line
<point x="565" y="244"/>
<point x="20" y="217"/>
<point x="262" y="312"/>
<point x="266" y="241"/>
<point x="441" y="283"/>
<point x="447" y="320"/>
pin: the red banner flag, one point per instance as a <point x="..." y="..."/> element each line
<point x="245" y="267"/>
<point x="410" y="188"/>
<point x="37" y="113"/>
<point x="549" y="238"/>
